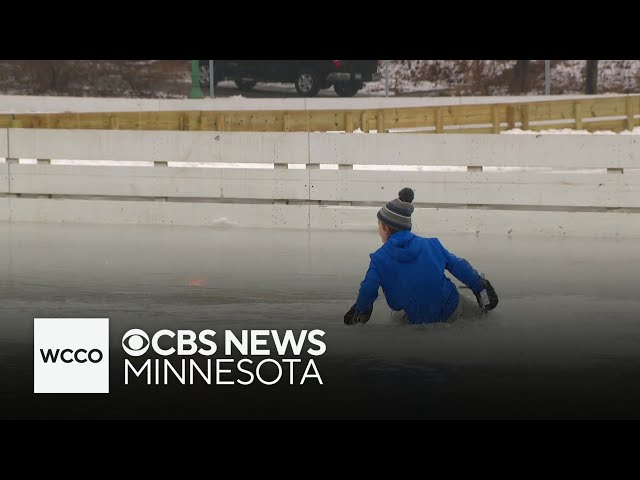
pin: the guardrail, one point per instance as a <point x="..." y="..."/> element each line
<point x="614" y="113"/>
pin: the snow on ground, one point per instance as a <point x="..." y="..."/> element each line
<point x="11" y="104"/>
<point x="569" y="131"/>
<point x="492" y="77"/>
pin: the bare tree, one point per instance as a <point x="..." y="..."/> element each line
<point x="592" y="77"/>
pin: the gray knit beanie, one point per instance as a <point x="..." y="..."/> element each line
<point x="397" y="213"/>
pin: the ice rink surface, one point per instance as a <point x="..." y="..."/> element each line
<point x="563" y="342"/>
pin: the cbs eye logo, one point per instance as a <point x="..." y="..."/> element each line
<point x="135" y="342"/>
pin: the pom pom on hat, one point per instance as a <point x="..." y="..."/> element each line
<point x="406" y="195"/>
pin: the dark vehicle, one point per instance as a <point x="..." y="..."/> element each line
<point x="347" y="77"/>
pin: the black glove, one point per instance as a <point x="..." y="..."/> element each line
<point x="351" y="317"/>
<point x="487" y="298"/>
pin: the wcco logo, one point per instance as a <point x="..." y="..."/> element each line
<point x="81" y="355"/>
<point x="71" y="355"/>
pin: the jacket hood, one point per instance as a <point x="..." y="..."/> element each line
<point x="403" y="246"/>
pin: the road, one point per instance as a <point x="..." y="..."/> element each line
<point x="262" y="90"/>
<point x="278" y="90"/>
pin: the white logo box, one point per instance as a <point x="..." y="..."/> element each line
<point x="77" y="353"/>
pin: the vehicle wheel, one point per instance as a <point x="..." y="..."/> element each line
<point x="307" y="83"/>
<point x="347" y="89"/>
<point x="245" y="85"/>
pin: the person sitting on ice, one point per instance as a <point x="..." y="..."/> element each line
<point x="411" y="271"/>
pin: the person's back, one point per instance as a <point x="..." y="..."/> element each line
<point x="411" y="271"/>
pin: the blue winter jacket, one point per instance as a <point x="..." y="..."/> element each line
<point x="410" y="270"/>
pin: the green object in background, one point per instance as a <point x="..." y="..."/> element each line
<point x="196" y="91"/>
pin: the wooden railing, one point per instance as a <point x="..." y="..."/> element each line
<point x="614" y="113"/>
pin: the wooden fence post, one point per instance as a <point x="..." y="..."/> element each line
<point x="380" y="123"/>
<point x="438" y="122"/>
<point x="495" y="123"/>
<point x="577" y="113"/>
